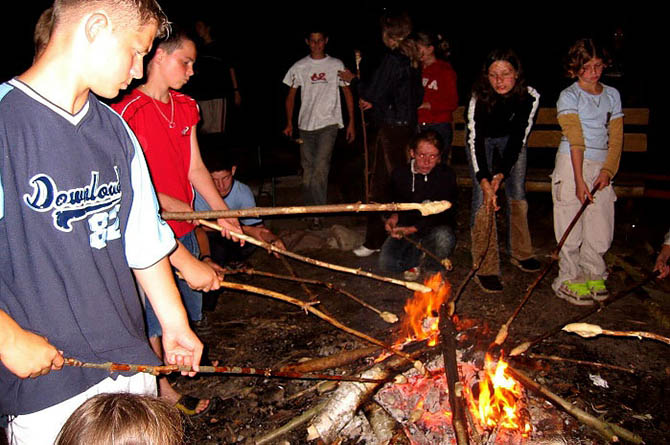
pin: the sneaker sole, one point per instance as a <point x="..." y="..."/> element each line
<point x="574" y="300"/>
<point x="518" y="264"/>
<point x="600" y="297"/>
<point x="487" y="290"/>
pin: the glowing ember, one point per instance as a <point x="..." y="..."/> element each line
<point x="422" y="312"/>
<point x="499" y="401"/>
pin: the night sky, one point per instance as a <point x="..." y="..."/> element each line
<point x="265" y="41"/>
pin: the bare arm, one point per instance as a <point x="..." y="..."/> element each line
<point x="236" y="88"/>
<point x="349" y="99"/>
<point x="181" y="345"/>
<point x="290" y="106"/>
<point x="199" y="176"/>
<point x="198" y="274"/>
<point x="26" y="354"/>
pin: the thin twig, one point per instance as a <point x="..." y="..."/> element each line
<point x="271" y="247"/>
<point x="309" y="308"/>
<point x="388" y="317"/>
<point x="580" y="362"/>
<point x="443" y="262"/>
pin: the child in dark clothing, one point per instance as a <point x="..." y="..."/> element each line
<point x="425" y="178"/>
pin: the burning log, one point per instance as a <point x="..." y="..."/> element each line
<point x="523" y="347"/>
<point x="609" y="431"/>
<point x="270" y="247"/>
<point x="427" y="208"/>
<point x="588" y="330"/>
<point x="504" y="329"/>
<point x="388" y="317"/>
<point x="342" y="405"/>
<point x="456" y="396"/>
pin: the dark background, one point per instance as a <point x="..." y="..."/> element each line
<point x="265" y="40"/>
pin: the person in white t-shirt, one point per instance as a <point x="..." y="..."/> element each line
<point x="320" y="114"/>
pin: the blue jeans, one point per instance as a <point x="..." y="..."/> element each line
<point x="514" y="184"/>
<point x="398" y="255"/>
<point x="515" y="192"/>
<point x="192" y="299"/>
<point x="315" y="153"/>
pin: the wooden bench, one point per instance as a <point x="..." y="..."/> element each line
<point x="546" y="135"/>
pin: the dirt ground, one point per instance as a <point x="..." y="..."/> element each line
<point x="251" y="330"/>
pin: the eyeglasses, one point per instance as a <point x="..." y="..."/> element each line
<point x="423" y="156"/>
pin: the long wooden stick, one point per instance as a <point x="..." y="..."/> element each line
<point x="579" y="362"/>
<point x="475" y="267"/>
<point x="388" y="317"/>
<point x="311" y="295"/>
<point x="236" y="370"/>
<point x="291" y="425"/>
<point x="612" y="432"/>
<point x="504" y="329"/>
<point x="444" y="262"/>
<point x="588" y="330"/>
<point x="523" y="347"/>
<point x="366" y="171"/>
<point x="309" y="308"/>
<point x="408" y="284"/>
<point x="428" y="208"/>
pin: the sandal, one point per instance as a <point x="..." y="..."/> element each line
<point x="188" y="404"/>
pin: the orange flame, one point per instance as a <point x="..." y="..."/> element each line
<point x="499" y="399"/>
<point x="422" y="311"/>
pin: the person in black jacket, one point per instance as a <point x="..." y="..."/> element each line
<point x="425" y="178"/>
<point x="393" y="96"/>
<point x="499" y="118"/>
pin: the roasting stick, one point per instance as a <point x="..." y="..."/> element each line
<point x="588" y="330"/>
<point x="523" y="347"/>
<point x="366" y="170"/>
<point x="250" y="239"/>
<point x="242" y="371"/>
<point x="444" y="262"/>
<point x="308" y="307"/>
<point x="427" y="208"/>
<point x="504" y="329"/>
<point x="388" y="317"/>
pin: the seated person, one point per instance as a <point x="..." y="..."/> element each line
<point x="425" y="178"/>
<point x="237" y="196"/>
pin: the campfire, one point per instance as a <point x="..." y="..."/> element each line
<point x="421" y="403"/>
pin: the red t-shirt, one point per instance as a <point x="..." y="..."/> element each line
<point x="439" y="88"/>
<point x="166" y="147"/>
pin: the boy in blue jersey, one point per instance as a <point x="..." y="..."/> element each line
<point x="77" y="208"/>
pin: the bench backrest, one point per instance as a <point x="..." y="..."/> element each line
<point x="547" y="134"/>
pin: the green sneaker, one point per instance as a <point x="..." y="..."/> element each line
<point x="598" y="290"/>
<point x="575" y="293"/>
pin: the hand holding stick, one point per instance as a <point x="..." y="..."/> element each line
<point x="408" y="284"/>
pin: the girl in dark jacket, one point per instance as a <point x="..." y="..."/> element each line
<point x="499" y="118"/>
